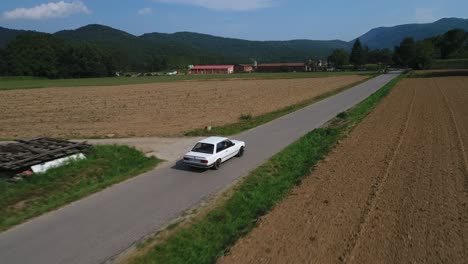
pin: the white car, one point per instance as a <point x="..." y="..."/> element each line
<point x="212" y="151"/>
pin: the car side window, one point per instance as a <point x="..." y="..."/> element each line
<point x="220" y="147"/>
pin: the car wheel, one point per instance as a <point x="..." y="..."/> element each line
<point x="217" y="164"/>
<point x="241" y="152"/>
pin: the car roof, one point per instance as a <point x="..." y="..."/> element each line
<point x="212" y="140"/>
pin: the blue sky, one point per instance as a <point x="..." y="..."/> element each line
<point x="247" y="19"/>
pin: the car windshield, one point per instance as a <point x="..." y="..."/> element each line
<point x="203" y="148"/>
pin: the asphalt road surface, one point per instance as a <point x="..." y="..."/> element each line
<point x="96" y="228"/>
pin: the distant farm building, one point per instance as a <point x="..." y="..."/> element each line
<point x="212" y="69"/>
<point x="242" y="68"/>
<point x="282" y="67"/>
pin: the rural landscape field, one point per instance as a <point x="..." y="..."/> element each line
<point x="233" y="132"/>
<point x="158" y="109"/>
<point x="394" y="191"/>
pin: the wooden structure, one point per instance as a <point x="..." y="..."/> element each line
<point x="17" y="157"/>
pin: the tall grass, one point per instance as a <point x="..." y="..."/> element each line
<point x="450" y="64"/>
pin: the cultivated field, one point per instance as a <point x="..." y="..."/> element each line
<point x="158" y="109"/>
<point x="394" y="191"/>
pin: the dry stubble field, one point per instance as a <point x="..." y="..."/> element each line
<point x="394" y="191"/>
<point x="159" y="109"/>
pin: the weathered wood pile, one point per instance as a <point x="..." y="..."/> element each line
<point x="23" y="154"/>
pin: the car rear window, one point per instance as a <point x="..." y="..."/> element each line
<point x="203" y="148"/>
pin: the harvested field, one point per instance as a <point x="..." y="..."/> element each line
<point x="158" y="109"/>
<point x="394" y="191"/>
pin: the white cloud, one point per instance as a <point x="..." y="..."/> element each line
<point x="232" y="5"/>
<point x="424" y="15"/>
<point x="145" y="11"/>
<point x="49" y="10"/>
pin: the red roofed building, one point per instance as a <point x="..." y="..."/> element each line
<point x="212" y="69"/>
<point x="282" y="67"/>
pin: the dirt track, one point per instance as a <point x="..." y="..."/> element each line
<point x="160" y="109"/>
<point x="394" y="191"/>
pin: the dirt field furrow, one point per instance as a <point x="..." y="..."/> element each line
<point x="394" y="191"/>
<point x="159" y="109"/>
<point x="372" y="200"/>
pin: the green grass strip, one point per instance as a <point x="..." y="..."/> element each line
<point x="247" y="122"/>
<point x="14" y="83"/>
<point x="208" y="238"/>
<point x="105" y="165"/>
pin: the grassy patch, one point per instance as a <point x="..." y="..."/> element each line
<point x="208" y="238"/>
<point x="443" y="73"/>
<point x="104" y="166"/>
<point x="450" y="64"/>
<point x="13" y="83"/>
<point x="247" y="121"/>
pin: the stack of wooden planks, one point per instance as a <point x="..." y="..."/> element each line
<point x="26" y="153"/>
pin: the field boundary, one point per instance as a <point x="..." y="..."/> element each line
<point x="210" y="236"/>
<point x="24" y="83"/>
<point x="248" y="122"/>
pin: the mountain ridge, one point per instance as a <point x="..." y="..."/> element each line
<point x="186" y="47"/>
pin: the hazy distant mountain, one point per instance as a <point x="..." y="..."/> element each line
<point x="388" y="37"/>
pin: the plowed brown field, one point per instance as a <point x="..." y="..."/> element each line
<point x="159" y="109"/>
<point x="394" y="191"/>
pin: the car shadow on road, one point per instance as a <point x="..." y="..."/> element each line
<point x="179" y="165"/>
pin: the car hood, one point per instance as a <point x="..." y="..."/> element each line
<point x="198" y="154"/>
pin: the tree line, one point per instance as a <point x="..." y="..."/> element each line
<point x="410" y="53"/>
<point x="46" y="55"/>
<point x="38" y="54"/>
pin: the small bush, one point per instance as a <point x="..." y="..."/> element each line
<point x="245" y="117"/>
<point x="342" y="115"/>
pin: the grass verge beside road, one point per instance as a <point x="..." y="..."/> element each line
<point x="209" y="237"/>
<point x="104" y="166"/>
<point x="13" y="83"/>
<point x="251" y="122"/>
<point x="438" y="73"/>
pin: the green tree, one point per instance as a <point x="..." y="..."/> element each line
<point x="339" y="58"/>
<point x="357" y="57"/>
<point x="383" y="56"/>
<point x="3" y="63"/>
<point x="34" y="54"/>
<point x="424" y="55"/>
<point x="452" y="41"/>
<point x="406" y="52"/>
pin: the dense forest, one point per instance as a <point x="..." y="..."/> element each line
<point x="410" y="53"/>
<point x="96" y="51"/>
<point x="38" y="54"/>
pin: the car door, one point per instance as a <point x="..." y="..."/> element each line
<point x="221" y="151"/>
<point x="224" y="150"/>
<point x="230" y="149"/>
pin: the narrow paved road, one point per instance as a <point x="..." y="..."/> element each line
<point x="96" y="228"/>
